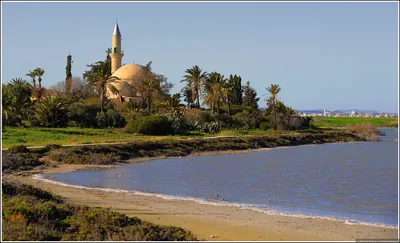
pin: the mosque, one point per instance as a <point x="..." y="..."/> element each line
<point x="128" y="74"/>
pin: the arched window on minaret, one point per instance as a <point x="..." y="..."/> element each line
<point x="115" y="50"/>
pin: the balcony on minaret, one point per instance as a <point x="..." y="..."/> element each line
<point x="116" y="51"/>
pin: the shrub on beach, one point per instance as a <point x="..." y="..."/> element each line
<point x="19" y="161"/>
<point x="29" y="213"/>
<point x="65" y="156"/>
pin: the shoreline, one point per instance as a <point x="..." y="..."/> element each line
<point x="225" y="222"/>
<point x="205" y="202"/>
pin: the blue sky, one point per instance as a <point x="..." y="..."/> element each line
<point x="323" y="55"/>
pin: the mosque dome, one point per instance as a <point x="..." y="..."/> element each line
<point x="128" y="75"/>
<point x="129" y="71"/>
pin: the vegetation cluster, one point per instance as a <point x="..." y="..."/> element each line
<point x="213" y="103"/>
<point x="31" y="214"/>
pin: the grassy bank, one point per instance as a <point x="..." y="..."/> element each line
<point x="351" y="121"/>
<point x="32" y="214"/>
<point x="74" y="135"/>
<point x="19" y="158"/>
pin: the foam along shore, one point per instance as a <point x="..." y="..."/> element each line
<point x="207" y="221"/>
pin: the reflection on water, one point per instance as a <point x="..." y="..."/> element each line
<point x="356" y="181"/>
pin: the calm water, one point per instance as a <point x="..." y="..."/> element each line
<point x="356" y="182"/>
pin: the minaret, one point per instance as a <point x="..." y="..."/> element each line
<point x="116" y="52"/>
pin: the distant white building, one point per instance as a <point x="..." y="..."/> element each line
<point x="353" y="113"/>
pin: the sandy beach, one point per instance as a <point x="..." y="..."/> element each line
<point x="207" y="222"/>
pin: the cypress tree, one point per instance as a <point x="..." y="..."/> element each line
<point x="68" y="75"/>
<point x="249" y="96"/>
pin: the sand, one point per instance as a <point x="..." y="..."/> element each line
<point x="226" y="223"/>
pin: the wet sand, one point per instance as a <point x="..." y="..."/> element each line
<point x="221" y="222"/>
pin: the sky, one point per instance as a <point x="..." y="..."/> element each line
<point x="323" y="55"/>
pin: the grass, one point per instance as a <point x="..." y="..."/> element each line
<point x="351" y="121"/>
<point x="72" y="135"/>
<point x="13" y="136"/>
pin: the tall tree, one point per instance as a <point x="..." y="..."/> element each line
<point x="273" y="90"/>
<point x="187" y="94"/>
<point x="108" y="60"/>
<point x="8" y="104"/>
<point x="68" y="75"/>
<point x="98" y="76"/>
<point x="148" y="86"/>
<point x="215" y="90"/>
<point x="32" y="74"/>
<point x="195" y="78"/>
<point x="250" y="96"/>
<point x="39" y="91"/>
<point x="235" y="83"/>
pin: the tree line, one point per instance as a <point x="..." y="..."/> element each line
<point x="212" y="101"/>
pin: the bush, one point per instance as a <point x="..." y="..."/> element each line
<point x="19" y="161"/>
<point x="88" y="114"/>
<point x="84" y="114"/>
<point x="29" y="213"/>
<point x="248" y="120"/>
<point x="196" y="117"/>
<point x="367" y="131"/>
<point x="18" y="149"/>
<point x="151" y="125"/>
<point x="51" y="112"/>
<point x="225" y="120"/>
<point x="179" y="125"/>
<point x="210" y="127"/>
<point x="66" y="157"/>
<point x="266" y="126"/>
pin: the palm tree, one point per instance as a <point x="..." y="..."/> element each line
<point x="8" y="103"/>
<point x="152" y="85"/>
<point x="274" y="89"/>
<point x="195" y="78"/>
<point x="98" y="76"/>
<point x="187" y="93"/>
<point x="22" y="92"/>
<point x="147" y="87"/>
<point x="39" y="73"/>
<point x="172" y="105"/>
<point x="52" y="112"/>
<point x="231" y="92"/>
<point x="32" y="74"/>
<point x="215" y="90"/>
<point x="132" y="110"/>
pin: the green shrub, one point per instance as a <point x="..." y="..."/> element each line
<point x="266" y="126"/>
<point x="84" y="114"/>
<point x="210" y="127"/>
<point x="248" y="120"/>
<point x="51" y="112"/>
<point x="29" y="213"/>
<point x="151" y="125"/>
